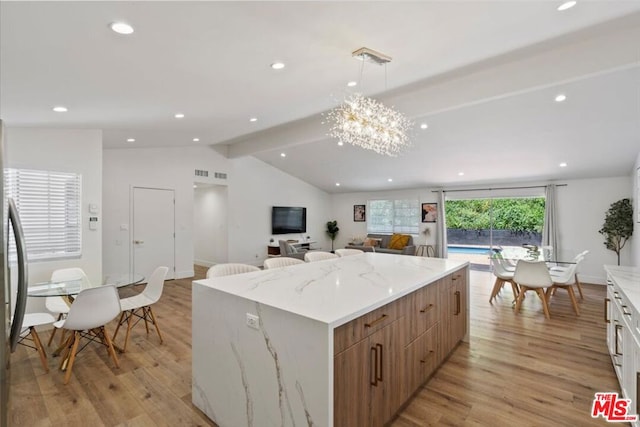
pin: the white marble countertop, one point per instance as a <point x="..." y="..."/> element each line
<point x="628" y="279"/>
<point x="338" y="290"/>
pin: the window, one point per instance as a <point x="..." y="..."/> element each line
<point x="49" y="207"/>
<point x="393" y="216"/>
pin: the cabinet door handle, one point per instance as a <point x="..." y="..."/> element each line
<point x="457" y="294"/>
<point x="454" y="278"/>
<point x="638" y="392"/>
<point x="427" y="308"/>
<point x="617" y="295"/>
<point x="373" y="366"/>
<point x="606" y="310"/>
<point x="624" y="310"/>
<point x="379" y="377"/>
<point x="618" y="328"/>
<point x="379" y="319"/>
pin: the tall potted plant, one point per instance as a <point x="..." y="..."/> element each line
<point x="332" y="231"/>
<point x="618" y="226"/>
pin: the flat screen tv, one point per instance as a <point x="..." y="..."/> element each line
<point x="288" y="219"/>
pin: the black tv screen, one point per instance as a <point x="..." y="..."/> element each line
<point x="287" y="219"/>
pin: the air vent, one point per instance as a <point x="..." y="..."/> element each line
<point x="220" y="175"/>
<point x="200" y="172"/>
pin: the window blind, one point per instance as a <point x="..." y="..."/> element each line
<point x="49" y="207"/>
<point x="393" y="216"/>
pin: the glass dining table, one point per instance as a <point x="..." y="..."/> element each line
<point x="538" y="253"/>
<point x="70" y="288"/>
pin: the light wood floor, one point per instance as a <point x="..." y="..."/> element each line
<point x="516" y="371"/>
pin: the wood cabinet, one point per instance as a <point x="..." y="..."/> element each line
<point x="384" y="356"/>
<point x="367" y="380"/>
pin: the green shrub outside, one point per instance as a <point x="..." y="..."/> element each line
<point x="518" y="215"/>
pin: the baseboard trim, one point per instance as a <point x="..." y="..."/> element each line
<point x="204" y="263"/>
<point x="184" y="274"/>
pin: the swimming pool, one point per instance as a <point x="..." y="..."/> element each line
<point x="476" y="250"/>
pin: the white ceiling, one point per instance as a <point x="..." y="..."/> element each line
<point x="482" y="74"/>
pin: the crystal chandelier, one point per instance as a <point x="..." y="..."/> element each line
<point x="367" y="123"/>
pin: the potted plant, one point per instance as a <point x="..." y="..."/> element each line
<point x="332" y="231"/>
<point x="618" y="226"/>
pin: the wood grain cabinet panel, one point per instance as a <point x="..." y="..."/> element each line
<point x="382" y="357"/>
<point x="350" y="333"/>
<point x="367" y="381"/>
<point x="424" y="310"/>
<point x="421" y="359"/>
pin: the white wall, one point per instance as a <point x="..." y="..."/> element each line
<point x="254" y="187"/>
<point x="581" y="209"/>
<point x="78" y="151"/>
<point x="635" y="196"/>
<point x="343" y="213"/>
<point x="582" y="206"/>
<point x="168" y="168"/>
<point x="210" y="225"/>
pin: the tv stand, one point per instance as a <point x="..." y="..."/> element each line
<point x="274" y="248"/>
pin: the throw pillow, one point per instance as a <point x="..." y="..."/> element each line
<point x="371" y="242"/>
<point x="398" y="241"/>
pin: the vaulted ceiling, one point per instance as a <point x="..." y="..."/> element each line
<point x="482" y="75"/>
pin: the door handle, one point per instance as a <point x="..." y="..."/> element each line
<point x="457" y="294"/>
<point x="138" y="242"/>
<point x="373" y="367"/>
<point x="606" y="310"/>
<point x="379" y="378"/>
<point x="617" y="350"/>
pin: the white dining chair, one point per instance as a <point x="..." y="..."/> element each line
<point x="280" y="262"/>
<point x="92" y="309"/>
<point x="29" y="333"/>
<point x="502" y="276"/>
<point x="348" y="252"/>
<point x="565" y="280"/>
<point x="532" y="276"/>
<point x="139" y="306"/>
<point x="558" y="270"/>
<point x="220" y="270"/>
<point x="59" y="305"/>
<point x="313" y="256"/>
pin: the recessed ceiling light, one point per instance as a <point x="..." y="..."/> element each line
<point x="131" y="140"/>
<point x="196" y="139"/>
<point x="424" y="126"/>
<point x="567" y="5"/>
<point x="277" y="65"/>
<point x="340" y="143"/>
<point x="561" y="97"/>
<point x="60" y="109"/>
<point x="563" y="165"/>
<point x="337" y="184"/>
<point x="179" y="116"/>
<point x="121" y="27"/>
<point x="460" y="173"/>
<point x="253" y="119"/>
<point x="390" y="179"/>
<point x="283" y="154"/>
<point x="352" y="84"/>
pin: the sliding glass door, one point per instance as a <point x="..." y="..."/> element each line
<point x="476" y="226"/>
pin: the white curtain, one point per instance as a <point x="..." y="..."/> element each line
<point x="550" y="227"/>
<point x="441" y="228"/>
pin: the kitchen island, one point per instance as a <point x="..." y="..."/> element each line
<point x="341" y="342"/>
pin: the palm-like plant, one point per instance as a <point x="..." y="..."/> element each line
<point x="332" y="231"/>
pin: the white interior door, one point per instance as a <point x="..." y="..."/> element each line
<point x="153" y="230"/>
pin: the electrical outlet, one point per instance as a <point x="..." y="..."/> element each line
<point x="253" y="321"/>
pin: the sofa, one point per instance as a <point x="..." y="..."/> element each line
<point x="383" y="245"/>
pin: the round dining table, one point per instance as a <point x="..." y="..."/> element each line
<point x="70" y="288"/>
